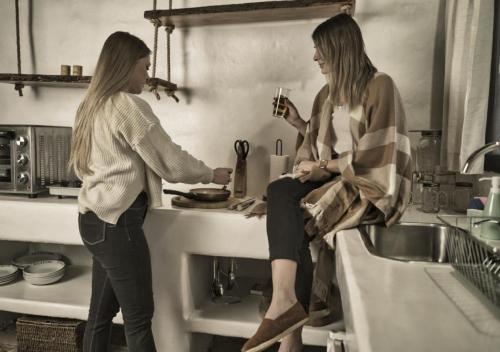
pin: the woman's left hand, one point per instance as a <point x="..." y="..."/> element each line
<point x="306" y="166"/>
<point x="310" y="171"/>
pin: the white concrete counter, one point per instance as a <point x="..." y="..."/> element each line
<point x="182" y="243"/>
<point x="390" y="306"/>
<point x="398" y="306"/>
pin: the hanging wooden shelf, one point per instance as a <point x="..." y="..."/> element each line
<point x="45" y="80"/>
<point x="250" y="12"/>
<point x="169" y="86"/>
<point x="69" y="81"/>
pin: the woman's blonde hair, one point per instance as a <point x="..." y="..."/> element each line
<point x="340" y="43"/>
<point x="113" y="71"/>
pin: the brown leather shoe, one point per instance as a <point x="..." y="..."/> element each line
<point x="271" y="331"/>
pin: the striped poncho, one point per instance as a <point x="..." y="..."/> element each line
<point x="375" y="177"/>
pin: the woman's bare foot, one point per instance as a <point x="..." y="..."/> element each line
<point x="292" y="342"/>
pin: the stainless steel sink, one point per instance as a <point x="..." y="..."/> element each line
<point x="422" y="242"/>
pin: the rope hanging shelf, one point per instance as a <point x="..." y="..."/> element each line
<point x="38" y="80"/>
<point x="234" y="14"/>
<point x="250" y="12"/>
<point x="20" y="80"/>
<point x="154" y="82"/>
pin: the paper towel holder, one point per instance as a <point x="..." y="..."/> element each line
<point x="279" y="147"/>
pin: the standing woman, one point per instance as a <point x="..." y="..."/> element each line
<point x="353" y="166"/>
<point x="121" y="153"/>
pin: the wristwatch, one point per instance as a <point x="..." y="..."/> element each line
<point x="323" y="163"/>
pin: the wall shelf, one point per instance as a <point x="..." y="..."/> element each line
<point x="36" y="80"/>
<point x="68" y="298"/>
<point x="250" y="12"/>
<point x="45" y="80"/>
<point x="158" y="82"/>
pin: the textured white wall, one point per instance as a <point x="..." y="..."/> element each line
<point x="230" y="72"/>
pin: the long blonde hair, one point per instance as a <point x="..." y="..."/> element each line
<point x="113" y="71"/>
<point x="340" y="43"/>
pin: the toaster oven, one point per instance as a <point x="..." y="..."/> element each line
<point x="33" y="158"/>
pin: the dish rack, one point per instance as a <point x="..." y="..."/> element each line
<point x="478" y="260"/>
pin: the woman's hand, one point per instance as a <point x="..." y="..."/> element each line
<point x="316" y="174"/>
<point x="292" y="116"/>
<point x="306" y="166"/>
<point x="222" y="175"/>
<point x="310" y="171"/>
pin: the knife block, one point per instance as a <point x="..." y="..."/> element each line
<point x="240" y="179"/>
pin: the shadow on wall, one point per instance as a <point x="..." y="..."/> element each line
<point x="187" y="93"/>
<point x="438" y="69"/>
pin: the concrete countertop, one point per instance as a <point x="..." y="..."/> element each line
<point x="403" y="306"/>
<point x="392" y="306"/>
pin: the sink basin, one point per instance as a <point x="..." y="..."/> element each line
<point x="421" y="242"/>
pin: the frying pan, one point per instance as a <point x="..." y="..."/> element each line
<point x="203" y="194"/>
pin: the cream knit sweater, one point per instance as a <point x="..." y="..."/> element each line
<point x="131" y="152"/>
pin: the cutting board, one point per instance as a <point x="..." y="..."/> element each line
<point x="189" y="203"/>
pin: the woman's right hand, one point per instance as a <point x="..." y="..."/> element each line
<point x="222" y="175"/>
<point x="292" y="116"/>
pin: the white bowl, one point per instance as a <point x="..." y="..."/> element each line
<point x="28" y="259"/>
<point x="40" y="281"/>
<point x="44" y="268"/>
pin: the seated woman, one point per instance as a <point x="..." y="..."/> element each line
<point x="353" y="166"/>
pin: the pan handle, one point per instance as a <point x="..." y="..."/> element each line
<point x="179" y="193"/>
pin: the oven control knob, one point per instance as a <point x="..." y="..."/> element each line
<point x="23" y="178"/>
<point x="22" y="159"/>
<point x="21" y="141"/>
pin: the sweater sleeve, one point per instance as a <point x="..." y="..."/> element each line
<point x="141" y="129"/>
<point x="169" y="160"/>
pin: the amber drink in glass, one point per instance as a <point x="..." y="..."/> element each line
<point x="280" y="98"/>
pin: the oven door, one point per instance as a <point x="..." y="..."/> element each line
<point x="7" y="160"/>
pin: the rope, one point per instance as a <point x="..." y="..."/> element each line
<point x="18" y="39"/>
<point x="18" y="86"/>
<point x="153" y="87"/>
<point x="155" y="49"/>
<point x="168" y="29"/>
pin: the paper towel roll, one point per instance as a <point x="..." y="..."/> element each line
<point x="278" y="166"/>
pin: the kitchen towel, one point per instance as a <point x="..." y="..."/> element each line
<point x="278" y="165"/>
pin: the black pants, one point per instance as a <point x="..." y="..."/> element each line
<point x="285" y="231"/>
<point x="121" y="277"/>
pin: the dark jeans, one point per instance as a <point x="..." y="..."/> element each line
<point x="121" y="277"/>
<point x="285" y="231"/>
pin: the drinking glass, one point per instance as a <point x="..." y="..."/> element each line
<point x="281" y="96"/>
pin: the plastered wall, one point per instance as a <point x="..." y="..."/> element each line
<point x="228" y="74"/>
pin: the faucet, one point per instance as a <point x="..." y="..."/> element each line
<point x="477" y="153"/>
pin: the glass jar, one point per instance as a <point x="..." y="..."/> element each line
<point x="463" y="194"/>
<point x="432" y="198"/>
<point x="428" y="151"/>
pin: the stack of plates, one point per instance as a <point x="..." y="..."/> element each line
<point x="44" y="272"/>
<point x="27" y="259"/>
<point x="8" y="273"/>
